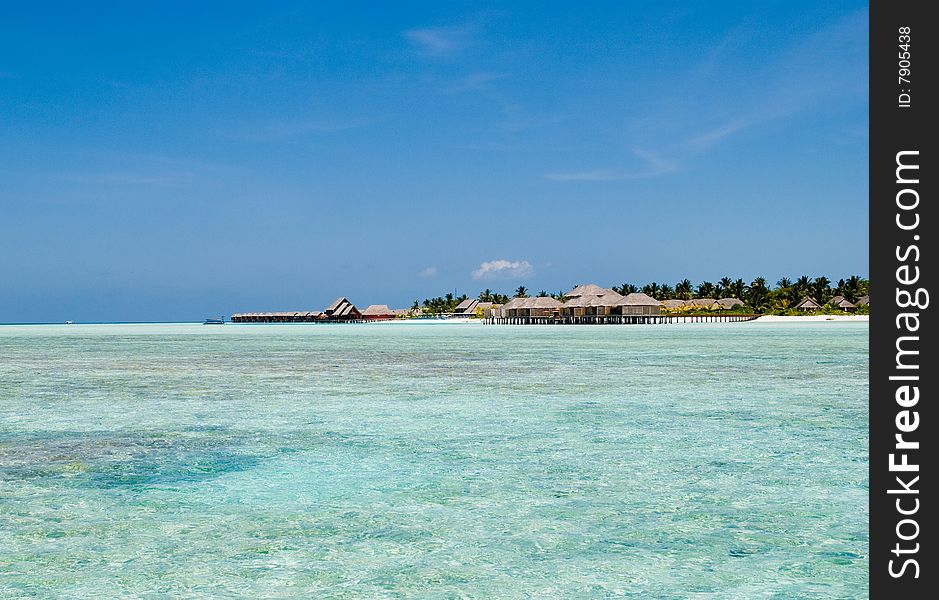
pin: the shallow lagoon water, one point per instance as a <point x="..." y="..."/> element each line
<point x="434" y="460"/>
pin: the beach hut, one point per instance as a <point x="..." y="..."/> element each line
<point x="703" y="303"/>
<point x="378" y="312"/>
<point x="728" y="303"/>
<point x="341" y="310"/>
<point x="638" y="303"/>
<point x="673" y="304"/>
<point x="863" y="301"/>
<point x="842" y="303"/>
<point x="808" y="304"/>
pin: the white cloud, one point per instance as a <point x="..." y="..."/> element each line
<point x="428" y="272"/>
<point x="439" y="41"/>
<point x="652" y="165"/>
<point x="503" y="268"/>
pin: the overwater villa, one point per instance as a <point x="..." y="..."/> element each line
<point x="342" y="310"/>
<point x="378" y="312"/>
<point x="585" y="304"/>
<point x="592" y="304"/>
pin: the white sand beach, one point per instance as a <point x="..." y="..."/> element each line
<point x="802" y="318"/>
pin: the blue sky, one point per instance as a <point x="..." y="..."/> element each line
<point x="184" y="160"/>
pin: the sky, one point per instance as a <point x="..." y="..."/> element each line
<point x="173" y="161"/>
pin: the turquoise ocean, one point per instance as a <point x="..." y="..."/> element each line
<point x="423" y="460"/>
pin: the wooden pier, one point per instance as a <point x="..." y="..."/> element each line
<point x="618" y="319"/>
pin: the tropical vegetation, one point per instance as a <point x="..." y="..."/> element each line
<point x="758" y="295"/>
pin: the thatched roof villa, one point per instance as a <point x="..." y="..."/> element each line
<point x="864" y="300"/>
<point x="277" y="317"/>
<point x="588" y="305"/>
<point x="638" y="303"/>
<point x="378" y="312"/>
<point x="467" y="308"/>
<point x="728" y="303"/>
<point x="593" y="304"/>
<point x="842" y="303"/>
<point x="703" y="302"/>
<point x="541" y="306"/>
<point x="341" y="310"/>
<point x="673" y="304"/>
<point x="808" y="304"/>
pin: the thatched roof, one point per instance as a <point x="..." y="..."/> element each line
<point x="863" y="301"/>
<point x="638" y="299"/>
<point x="841" y="302"/>
<point x="375" y="310"/>
<point x="703" y="302"/>
<point x="401" y="312"/>
<point x="335" y="304"/>
<point x="610" y="299"/>
<point x="539" y="302"/>
<point x="341" y="307"/>
<point x="589" y="289"/>
<point x="514" y="303"/>
<point x="807" y="302"/>
<point x="467" y="305"/>
<point x="672" y="303"/>
<point x="726" y="303"/>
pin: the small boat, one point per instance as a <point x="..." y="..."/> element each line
<point x="213" y="321"/>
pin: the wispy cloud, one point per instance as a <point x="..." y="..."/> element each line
<point x="708" y="139"/>
<point x="652" y="166"/>
<point x="790" y="82"/>
<point x="474" y="82"/>
<point x="501" y="268"/>
<point x="439" y="41"/>
<point x="428" y="272"/>
<point x="280" y="129"/>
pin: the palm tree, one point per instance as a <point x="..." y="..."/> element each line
<point x="485" y="295"/>
<point x="542" y="294"/>
<point x="683" y="289"/>
<point x="666" y="292"/>
<point x="706" y="290"/>
<point x="852" y="289"/>
<point x="724" y="286"/>
<point x="521" y="292"/>
<point x="784" y="283"/>
<point x="757" y="293"/>
<point x="651" y="289"/>
<point x="628" y="288"/>
<point x="821" y="289"/>
<point x="738" y="288"/>
<point x="803" y="286"/>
